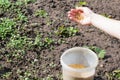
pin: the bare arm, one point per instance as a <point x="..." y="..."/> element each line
<point x="110" y="26"/>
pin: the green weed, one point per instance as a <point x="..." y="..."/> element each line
<point x="43" y="42"/>
<point x="49" y="77"/>
<point x="38" y="40"/>
<point x="113" y="75"/>
<point x="18" y="3"/>
<point x="66" y="31"/>
<point x="24" y="2"/>
<point x="29" y="1"/>
<point x="52" y="65"/>
<point x="6" y="75"/>
<point x="21" y="17"/>
<point x="15" y="54"/>
<point x="5" y="3"/>
<point x="48" y="41"/>
<point x="81" y="3"/>
<point x="101" y="53"/>
<point x="26" y="75"/>
<point x="19" y="43"/>
<point x="41" y="13"/>
<point x="6" y="27"/>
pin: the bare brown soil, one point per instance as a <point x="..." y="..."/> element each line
<point x="87" y="36"/>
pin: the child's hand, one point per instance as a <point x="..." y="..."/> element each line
<point x="81" y="15"/>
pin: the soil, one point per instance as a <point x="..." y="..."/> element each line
<point x="47" y="61"/>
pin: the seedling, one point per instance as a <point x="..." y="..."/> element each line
<point x="101" y="53"/>
<point x="52" y="65"/>
<point x="66" y="31"/>
<point x="43" y="43"/>
<point x="4" y="3"/>
<point x="6" y="75"/>
<point x="81" y="3"/>
<point x="49" y="77"/>
<point x="28" y="1"/>
<point x="41" y="13"/>
<point x="18" y="42"/>
<point x="38" y="40"/>
<point x="6" y="27"/>
<point x="18" y="3"/>
<point x="21" y="17"/>
<point x="114" y="75"/>
<point x="25" y="2"/>
<point x="48" y="41"/>
<point x="26" y="75"/>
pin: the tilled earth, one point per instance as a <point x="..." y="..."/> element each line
<point x="43" y="63"/>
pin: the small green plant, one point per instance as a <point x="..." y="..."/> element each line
<point x="43" y="42"/>
<point x="26" y="75"/>
<point x="24" y="2"/>
<point x="52" y="65"/>
<point x="48" y="41"/>
<point x="38" y="40"/>
<point x="49" y="77"/>
<point x="66" y="31"/>
<point x="81" y="3"/>
<point x="21" y="17"/>
<point x="19" y="43"/>
<point x="5" y="3"/>
<point x="101" y="53"/>
<point x="18" y="3"/>
<point x="41" y="13"/>
<point x="28" y="1"/>
<point x="6" y="75"/>
<point x="6" y="27"/>
<point x="113" y="75"/>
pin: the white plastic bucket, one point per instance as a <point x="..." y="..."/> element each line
<point x="79" y="55"/>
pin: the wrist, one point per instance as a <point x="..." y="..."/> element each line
<point x="94" y="17"/>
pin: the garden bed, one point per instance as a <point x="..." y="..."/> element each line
<point x="38" y="32"/>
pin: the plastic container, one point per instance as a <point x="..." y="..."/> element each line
<point x="79" y="55"/>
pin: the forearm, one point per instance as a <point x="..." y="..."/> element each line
<point x="110" y="26"/>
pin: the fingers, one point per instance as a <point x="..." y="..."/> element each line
<point x="73" y="13"/>
<point x="76" y="11"/>
<point x="73" y="18"/>
<point x="81" y="15"/>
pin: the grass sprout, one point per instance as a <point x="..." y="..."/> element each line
<point x="66" y="31"/>
<point x="6" y="27"/>
<point x="41" y="13"/>
<point x="101" y="53"/>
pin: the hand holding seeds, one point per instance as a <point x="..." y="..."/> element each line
<point x="85" y="16"/>
<point x="81" y="15"/>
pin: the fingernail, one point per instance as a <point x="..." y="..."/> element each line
<point x="68" y="12"/>
<point x="70" y="17"/>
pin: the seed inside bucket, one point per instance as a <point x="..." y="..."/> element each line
<point x="77" y="66"/>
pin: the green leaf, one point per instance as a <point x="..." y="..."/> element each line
<point x="101" y="54"/>
<point x="41" y="13"/>
<point x="81" y="3"/>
